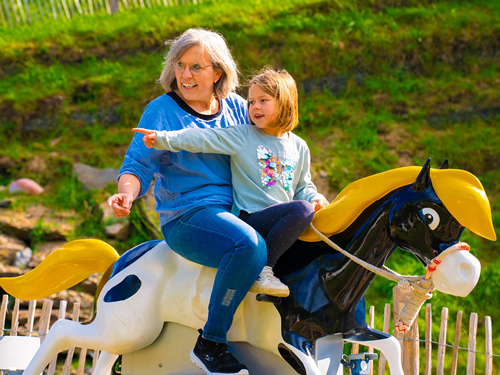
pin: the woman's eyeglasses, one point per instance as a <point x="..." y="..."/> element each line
<point x="195" y="68"/>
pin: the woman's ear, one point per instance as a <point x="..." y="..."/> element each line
<point x="218" y="74"/>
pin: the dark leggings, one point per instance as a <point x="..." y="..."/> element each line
<point x="280" y="225"/>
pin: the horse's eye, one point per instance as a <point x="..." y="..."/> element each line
<point x="431" y="217"/>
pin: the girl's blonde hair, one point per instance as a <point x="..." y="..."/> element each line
<point x="220" y="56"/>
<point x="280" y="85"/>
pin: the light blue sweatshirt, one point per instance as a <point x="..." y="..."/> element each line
<point x="265" y="169"/>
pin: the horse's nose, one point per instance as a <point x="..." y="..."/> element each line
<point x="457" y="274"/>
<point x="406" y="225"/>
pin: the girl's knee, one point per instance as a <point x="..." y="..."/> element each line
<point x="304" y="209"/>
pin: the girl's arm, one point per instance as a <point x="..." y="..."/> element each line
<point x="306" y="190"/>
<point x="227" y="141"/>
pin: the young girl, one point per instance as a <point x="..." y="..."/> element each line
<point x="272" y="186"/>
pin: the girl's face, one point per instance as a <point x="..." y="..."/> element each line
<point x="263" y="109"/>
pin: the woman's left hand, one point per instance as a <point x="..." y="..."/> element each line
<point x="319" y="204"/>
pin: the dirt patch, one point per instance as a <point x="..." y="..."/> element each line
<point x="47" y="223"/>
<point x="395" y="137"/>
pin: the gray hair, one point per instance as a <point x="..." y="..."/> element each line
<point x="220" y="56"/>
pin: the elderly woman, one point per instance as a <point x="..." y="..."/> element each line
<point x="193" y="191"/>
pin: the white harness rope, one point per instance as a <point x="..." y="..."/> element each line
<point x="420" y="287"/>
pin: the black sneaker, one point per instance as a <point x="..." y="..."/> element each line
<point x="215" y="358"/>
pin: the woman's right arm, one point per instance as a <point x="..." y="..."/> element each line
<point x="129" y="187"/>
<point x="139" y="164"/>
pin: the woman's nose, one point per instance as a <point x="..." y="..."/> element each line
<point x="187" y="72"/>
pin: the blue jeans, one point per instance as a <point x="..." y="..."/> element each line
<point x="213" y="237"/>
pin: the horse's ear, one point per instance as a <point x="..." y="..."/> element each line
<point x="423" y="180"/>
<point x="445" y="165"/>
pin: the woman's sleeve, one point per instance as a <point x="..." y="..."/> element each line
<point x="139" y="160"/>
<point x="306" y="190"/>
<point x="227" y="141"/>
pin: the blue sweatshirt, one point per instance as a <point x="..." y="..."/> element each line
<point x="184" y="180"/>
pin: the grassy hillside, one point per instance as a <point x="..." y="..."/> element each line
<point x="383" y="84"/>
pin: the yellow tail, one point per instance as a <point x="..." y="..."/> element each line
<point x="63" y="268"/>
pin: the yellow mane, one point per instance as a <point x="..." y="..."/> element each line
<point x="460" y="191"/>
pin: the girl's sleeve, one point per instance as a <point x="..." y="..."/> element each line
<point x="225" y="141"/>
<point x="139" y="160"/>
<point x="306" y="190"/>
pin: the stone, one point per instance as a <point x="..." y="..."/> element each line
<point x="5" y="203"/>
<point x="25" y="185"/>
<point x="107" y="212"/>
<point x="120" y="231"/>
<point x="93" y="178"/>
<point x="9" y="247"/>
<point x="23" y="258"/>
<point x="10" y="271"/>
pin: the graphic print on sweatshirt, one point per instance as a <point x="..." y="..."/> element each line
<point x="273" y="169"/>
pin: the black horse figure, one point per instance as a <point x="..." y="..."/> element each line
<point x="421" y="210"/>
<point x="327" y="295"/>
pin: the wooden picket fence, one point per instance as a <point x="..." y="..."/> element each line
<point x="410" y="343"/>
<point x="43" y="329"/>
<point x="25" y="12"/>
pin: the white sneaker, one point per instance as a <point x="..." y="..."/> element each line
<point x="269" y="284"/>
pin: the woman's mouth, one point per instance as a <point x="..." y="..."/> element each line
<point x="188" y="85"/>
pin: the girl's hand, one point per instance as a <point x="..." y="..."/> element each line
<point x="121" y="204"/>
<point x="149" y="136"/>
<point x="319" y="204"/>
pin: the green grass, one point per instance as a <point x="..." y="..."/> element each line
<point x="382" y="84"/>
